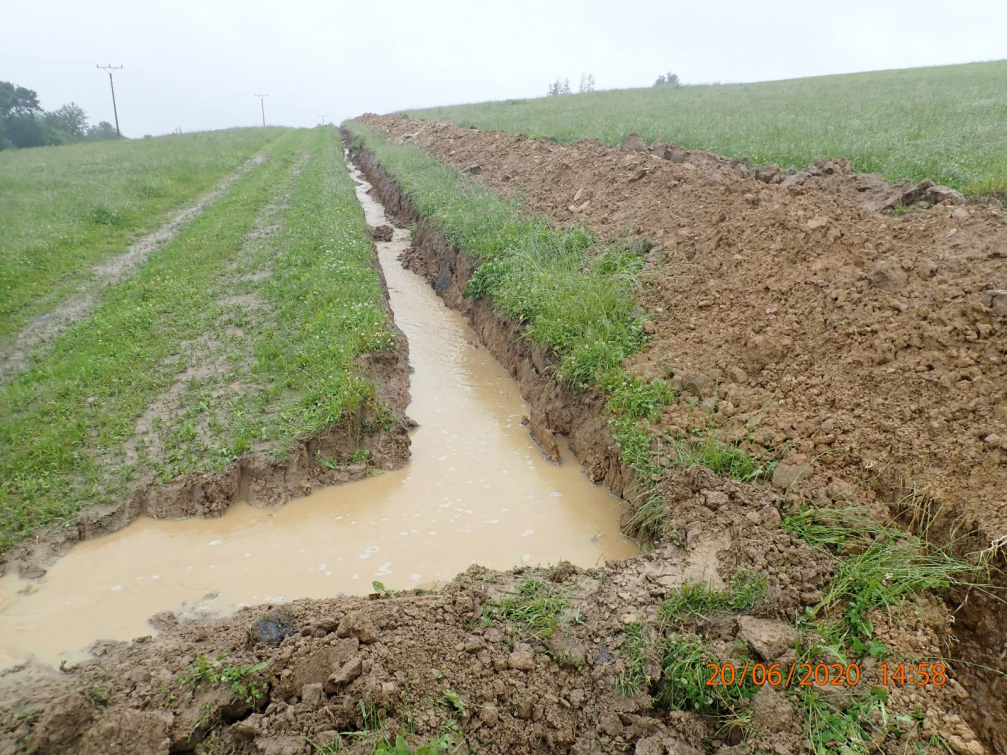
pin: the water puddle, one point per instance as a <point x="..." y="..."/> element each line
<point x="477" y="490"/>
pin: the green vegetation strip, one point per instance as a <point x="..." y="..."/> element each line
<point x="941" y="123"/>
<point x="64" y="209"/>
<point x="64" y="424"/>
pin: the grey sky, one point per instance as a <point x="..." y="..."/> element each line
<point x="195" y="65"/>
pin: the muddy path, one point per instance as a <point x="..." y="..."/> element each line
<point x="30" y="343"/>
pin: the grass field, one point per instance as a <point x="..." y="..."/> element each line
<point x="944" y="123"/>
<point x="63" y="209"/>
<point x="244" y="329"/>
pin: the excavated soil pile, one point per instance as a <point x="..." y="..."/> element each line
<point x="872" y="346"/>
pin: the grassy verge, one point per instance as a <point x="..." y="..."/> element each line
<point x="64" y="209"/>
<point x="940" y="123"/>
<point x="65" y="423"/>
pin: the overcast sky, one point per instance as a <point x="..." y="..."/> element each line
<point x="196" y="64"/>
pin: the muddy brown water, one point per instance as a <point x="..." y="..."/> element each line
<point x="477" y="490"/>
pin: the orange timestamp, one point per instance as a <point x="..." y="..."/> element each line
<point x="821" y="674"/>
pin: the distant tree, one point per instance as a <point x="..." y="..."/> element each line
<point x="566" y="87"/>
<point x="667" y="79"/>
<point x="23" y="122"/>
<point x="15" y="100"/>
<point x="104" y="131"/>
<point x="586" y="83"/>
<point x="70" y="119"/>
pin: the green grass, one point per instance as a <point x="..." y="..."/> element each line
<point x="536" y="610"/>
<point x="65" y="423"/>
<point x="943" y="123"/>
<point x="699" y="600"/>
<point x="683" y="680"/>
<point x="242" y="680"/>
<point x="64" y="209"/>
<point x="886" y="566"/>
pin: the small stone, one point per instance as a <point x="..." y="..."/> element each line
<point x="819" y="221"/>
<point x="649" y="328"/>
<point x="785" y="475"/>
<point x="959" y="213"/>
<point x="522" y="660"/>
<point x="474" y="169"/>
<point x="312" y="695"/>
<point x="358" y="624"/>
<point x="766" y="173"/>
<point x="768" y="637"/>
<point x="993" y="440"/>
<point x="996" y="299"/>
<point x="344" y="674"/>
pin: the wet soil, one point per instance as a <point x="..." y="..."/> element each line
<point x="872" y="346"/>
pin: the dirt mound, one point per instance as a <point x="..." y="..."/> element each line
<point x="871" y="346"/>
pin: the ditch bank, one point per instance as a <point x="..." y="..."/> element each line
<point x="564" y="659"/>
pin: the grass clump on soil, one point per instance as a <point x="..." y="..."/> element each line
<point x="696" y="599"/>
<point x="879" y="568"/>
<point x="940" y="123"/>
<point x="537" y="608"/>
<point x="241" y="680"/>
<point x="65" y="209"/>
<point x="290" y="370"/>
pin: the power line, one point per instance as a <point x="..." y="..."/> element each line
<point x="262" y="101"/>
<point x="110" y="69"/>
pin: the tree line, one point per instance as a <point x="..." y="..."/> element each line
<point x="562" y="86"/>
<point x="23" y="122"/>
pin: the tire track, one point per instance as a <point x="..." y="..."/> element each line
<point x="37" y="337"/>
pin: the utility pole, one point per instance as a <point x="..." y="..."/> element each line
<point x="323" y="117"/>
<point x="109" y="69"/>
<point x="262" y="101"/>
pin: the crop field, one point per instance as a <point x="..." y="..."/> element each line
<point x="941" y="123"/>
<point x="217" y="346"/>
